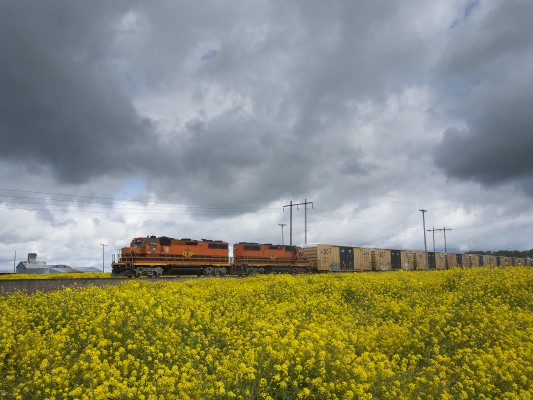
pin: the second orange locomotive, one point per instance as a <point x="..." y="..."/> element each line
<point x="267" y="258"/>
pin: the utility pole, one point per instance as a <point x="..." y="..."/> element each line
<point x="424" y="225"/>
<point x="425" y="244"/>
<point x="282" y="240"/>
<point x="290" y="222"/>
<point x="14" y="262"/>
<point x="433" y="230"/>
<point x="305" y="213"/>
<point x="444" y="230"/>
<point x="103" y="258"/>
<point x="291" y="205"/>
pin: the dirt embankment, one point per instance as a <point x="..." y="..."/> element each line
<point x="45" y="285"/>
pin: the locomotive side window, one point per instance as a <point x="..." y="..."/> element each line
<point x="222" y="246"/>
<point x="191" y="243"/>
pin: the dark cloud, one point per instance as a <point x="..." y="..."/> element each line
<point x="487" y="42"/>
<point x="235" y="157"/>
<point x="497" y="145"/>
<point x="72" y="74"/>
<point x="489" y="59"/>
<point x="61" y="105"/>
<point x="292" y="75"/>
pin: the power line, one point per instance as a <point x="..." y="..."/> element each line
<point x="94" y="204"/>
<point x="142" y="212"/>
<point x="113" y="200"/>
<point x="73" y="203"/>
<point x="155" y="207"/>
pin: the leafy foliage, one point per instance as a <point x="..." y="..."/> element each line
<point x="505" y="253"/>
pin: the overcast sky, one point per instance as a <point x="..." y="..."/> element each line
<point x="203" y="119"/>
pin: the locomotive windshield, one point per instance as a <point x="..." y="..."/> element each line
<point x="137" y="243"/>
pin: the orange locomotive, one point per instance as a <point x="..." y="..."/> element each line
<point x="268" y="258"/>
<point x="156" y="256"/>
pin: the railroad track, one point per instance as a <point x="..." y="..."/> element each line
<point x="29" y="286"/>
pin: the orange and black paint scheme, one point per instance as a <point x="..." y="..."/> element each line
<point x="268" y="258"/>
<point x="155" y="256"/>
<point x="167" y="256"/>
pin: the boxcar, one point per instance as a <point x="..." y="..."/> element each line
<point x="451" y="260"/>
<point x="382" y="259"/>
<point x="440" y="260"/>
<point x="421" y="260"/>
<point x="334" y="258"/>
<point x="408" y="260"/>
<point x="363" y="259"/>
<point x="323" y="257"/>
<point x="489" y="261"/>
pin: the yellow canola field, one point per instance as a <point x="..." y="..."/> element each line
<point x="77" y="275"/>
<point x="456" y="334"/>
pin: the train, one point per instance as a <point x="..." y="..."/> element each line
<point x="161" y="256"/>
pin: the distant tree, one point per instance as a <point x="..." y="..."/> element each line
<point x="504" y="253"/>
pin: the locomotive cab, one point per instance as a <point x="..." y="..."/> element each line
<point x="142" y="246"/>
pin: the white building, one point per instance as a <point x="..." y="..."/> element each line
<point x="34" y="266"/>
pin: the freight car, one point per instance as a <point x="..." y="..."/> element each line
<point x="156" y="256"/>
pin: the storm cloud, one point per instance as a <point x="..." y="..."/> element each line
<point x="488" y="62"/>
<point x="61" y="103"/>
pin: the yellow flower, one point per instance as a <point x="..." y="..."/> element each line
<point x="462" y="333"/>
